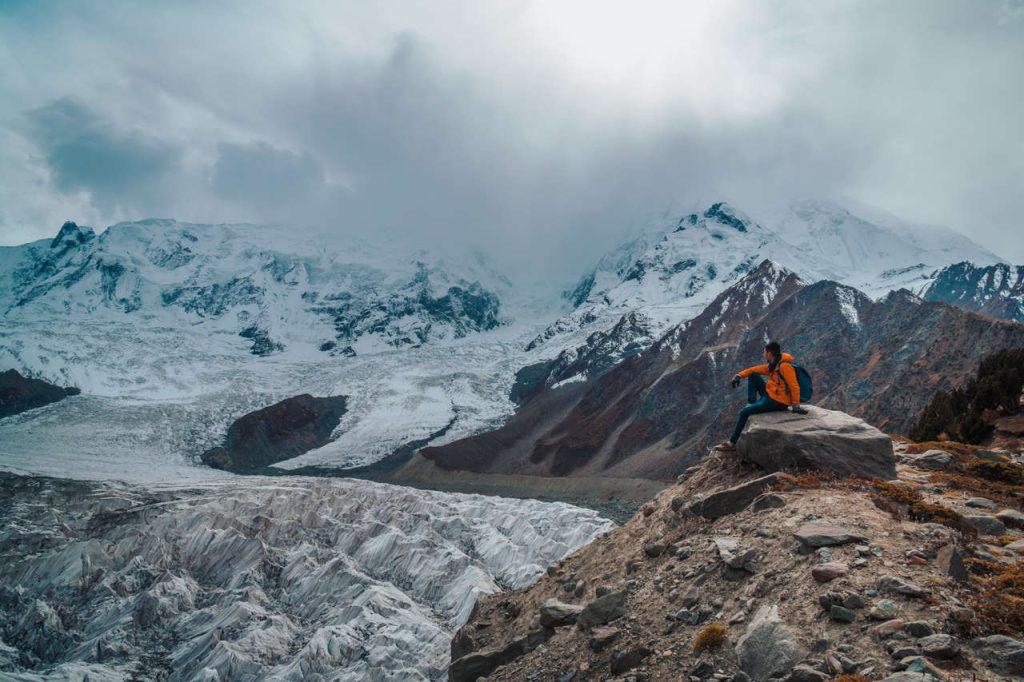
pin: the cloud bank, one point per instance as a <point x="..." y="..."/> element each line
<point x="539" y="132"/>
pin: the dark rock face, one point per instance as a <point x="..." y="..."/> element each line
<point x="995" y="290"/>
<point x="732" y="500"/>
<point x="655" y="413"/>
<point x="18" y="393"/>
<point x="276" y="433"/>
<point x="825" y="440"/>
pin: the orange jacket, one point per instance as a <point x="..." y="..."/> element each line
<point x="781" y="385"/>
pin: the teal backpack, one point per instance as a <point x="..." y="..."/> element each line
<point x="803" y="378"/>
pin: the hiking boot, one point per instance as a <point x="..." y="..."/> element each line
<point x="726" y="446"/>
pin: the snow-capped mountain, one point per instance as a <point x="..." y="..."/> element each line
<point x="995" y="290"/>
<point x="669" y="274"/>
<point x="251" y="286"/>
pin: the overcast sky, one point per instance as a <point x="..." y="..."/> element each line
<point x="540" y="131"/>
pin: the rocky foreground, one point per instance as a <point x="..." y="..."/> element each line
<point x="286" y="579"/>
<point x="738" y="574"/>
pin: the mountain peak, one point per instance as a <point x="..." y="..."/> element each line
<point x="72" y="235"/>
<point x="721" y="213"/>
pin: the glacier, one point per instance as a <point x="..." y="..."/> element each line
<point x="257" y="578"/>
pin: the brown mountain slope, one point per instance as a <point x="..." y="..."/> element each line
<point x="857" y="585"/>
<point x="655" y="413"/>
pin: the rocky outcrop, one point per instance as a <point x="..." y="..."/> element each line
<point x="284" y="430"/>
<point x="731" y="500"/>
<point x="18" y="393"/>
<point x="825" y="440"/>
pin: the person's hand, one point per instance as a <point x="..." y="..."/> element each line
<point x="736" y="379"/>
<point x="797" y="409"/>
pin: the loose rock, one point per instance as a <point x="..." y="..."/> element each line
<point x="821" y="534"/>
<point x="768" y="648"/>
<point x="1003" y="654"/>
<point x="985" y="524"/>
<point x="890" y="584"/>
<point x="829" y="571"/>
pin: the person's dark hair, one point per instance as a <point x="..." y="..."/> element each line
<point x="774" y="348"/>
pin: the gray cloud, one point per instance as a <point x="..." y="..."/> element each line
<point x="540" y="132"/>
<point x="119" y="168"/>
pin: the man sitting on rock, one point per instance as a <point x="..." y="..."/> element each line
<point x="780" y="392"/>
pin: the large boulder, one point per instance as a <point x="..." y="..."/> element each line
<point x="826" y="440"/>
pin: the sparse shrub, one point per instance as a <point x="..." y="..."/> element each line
<point x="851" y="678"/>
<point x="899" y="500"/>
<point x="801" y="481"/>
<point x="999" y="603"/>
<point x="710" y="638"/>
<point x="1002" y="472"/>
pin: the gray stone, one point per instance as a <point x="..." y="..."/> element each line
<point x="482" y="663"/>
<point x="939" y="647"/>
<point x="950" y="561"/>
<point x="734" y="555"/>
<point x="602" y="637"/>
<point x="841" y="614"/>
<point x="655" y="548"/>
<point x="767" y="501"/>
<point x="554" y="613"/>
<point x="805" y="673"/>
<point x="981" y="503"/>
<point x="731" y="500"/>
<point x="822" y="534"/>
<point x="908" y="677"/>
<point x="936" y="460"/>
<point x="602" y="610"/>
<point x="1016" y="546"/>
<point x="890" y="584"/>
<point x="767" y="648"/>
<point x="919" y="628"/>
<point x="825" y="440"/>
<point x="1011" y="518"/>
<point x="829" y="571"/>
<point x="985" y="524"/>
<point x="1003" y="654"/>
<point x="623" y="661"/>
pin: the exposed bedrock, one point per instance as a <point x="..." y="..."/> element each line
<point x="18" y="393"/>
<point x="284" y="430"/>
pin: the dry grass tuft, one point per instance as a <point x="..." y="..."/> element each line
<point x="851" y="678"/>
<point x="960" y="450"/>
<point x="901" y="501"/>
<point x="711" y="637"/>
<point x="999" y="603"/>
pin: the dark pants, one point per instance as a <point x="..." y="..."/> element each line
<point x="759" y="402"/>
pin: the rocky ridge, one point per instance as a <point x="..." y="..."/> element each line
<point x="995" y="290"/>
<point x="18" y="393"/>
<point x="801" y="577"/>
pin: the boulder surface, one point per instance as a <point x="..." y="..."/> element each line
<point x="826" y="440"/>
